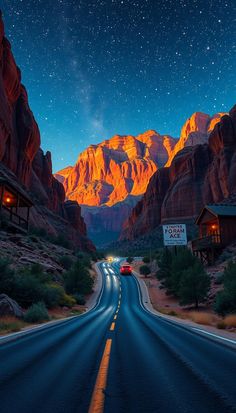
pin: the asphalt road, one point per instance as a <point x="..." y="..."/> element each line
<point x="154" y="366"/>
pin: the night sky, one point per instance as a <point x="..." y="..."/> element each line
<point x="96" y="68"/>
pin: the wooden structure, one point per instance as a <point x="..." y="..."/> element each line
<point x="217" y="229"/>
<point x="14" y="206"/>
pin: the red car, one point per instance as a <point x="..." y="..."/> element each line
<point x="125" y="269"/>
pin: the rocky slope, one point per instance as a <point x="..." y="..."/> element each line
<point x="22" y="157"/>
<point x="198" y="175"/>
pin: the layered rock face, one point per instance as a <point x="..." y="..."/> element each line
<point x="109" y="178"/>
<point x="107" y="173"/>
<point x="21" y="154"/>
<point x="196" y="130"/>
<point x="198" y="175"/>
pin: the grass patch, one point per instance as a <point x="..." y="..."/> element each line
<point x="10" y="325"/>
<point x="230" y="320"/>
<point x="202" y="318"/>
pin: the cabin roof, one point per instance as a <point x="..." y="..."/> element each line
<point x="16" y="188"/>
<point x="219" y="210"/>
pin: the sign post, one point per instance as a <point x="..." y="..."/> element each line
<point x="174" y="235"/>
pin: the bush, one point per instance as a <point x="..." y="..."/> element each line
<point x="78" y="280"/>
<point x="146" y="260"/>
<point x="52" y="295"/>
<point x="144" y="270"/>
<point x="79" y="299"/>
<point x="67" y="301"/>
<point x="36" y="313"/>
<point x="66" y="262"/>
<point x="130" y="260"/>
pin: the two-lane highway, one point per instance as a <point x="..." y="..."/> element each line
<point x="117" y="358"/>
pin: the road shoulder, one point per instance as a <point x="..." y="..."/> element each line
<point x="209" y="331"/>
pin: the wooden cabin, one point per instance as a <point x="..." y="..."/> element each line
<point x="14" y="206"/>
<point x="217" y="229"/>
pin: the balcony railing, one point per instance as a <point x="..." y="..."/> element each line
<point x="210" y="241"/>
<point x="15" y="218"/>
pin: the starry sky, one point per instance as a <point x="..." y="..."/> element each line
<point x="95" y="68"/>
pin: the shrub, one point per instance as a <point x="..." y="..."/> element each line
<point x="130" y="260"/>
<point x="202" y="317"/>
<point x="146" y="260"/>
<point x="36" y="313"/>
<point x="78" y="280"/>
<point x="79" y="299"/>
<point x="67" y="301"/>
<point x="144" y="270"/>
<point x="66" y="262"/>
<point x="52" y="295"/>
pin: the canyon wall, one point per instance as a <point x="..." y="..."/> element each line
<point x="21" y="156"/>
<point x="198" y="175"/>
<point x="109" y="178"/>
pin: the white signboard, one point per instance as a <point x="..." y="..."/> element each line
<point x="174" y="234"/>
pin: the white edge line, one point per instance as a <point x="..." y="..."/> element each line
<point x="214" y="335"/>
<point x="175" y="321"/>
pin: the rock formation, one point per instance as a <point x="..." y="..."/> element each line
<point x="198" y="175"/>
<point x="9" y="307"/>
<point x="109" y="178"/>
<point x="20" y="152"/>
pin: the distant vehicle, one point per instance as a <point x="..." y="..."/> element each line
<point x="125" y="269"/>
<point x="110" y="259"/>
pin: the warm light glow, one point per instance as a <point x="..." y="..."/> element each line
<point x="8" y="200"/>
<point x="214" y="226"/>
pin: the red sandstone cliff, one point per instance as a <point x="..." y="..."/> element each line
<point x="107" y="173"/>
<point x="20" y="154"/>
<point x="197" y="175"/>
<point x="109" y="178"/>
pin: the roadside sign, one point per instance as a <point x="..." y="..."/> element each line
<point x="174" y="234"/>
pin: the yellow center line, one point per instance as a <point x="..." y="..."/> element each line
<point x="117" y="311"/>
<point x="115" y="317"/>
<point x="98" y="396"/>
<point x="112" y="326"/>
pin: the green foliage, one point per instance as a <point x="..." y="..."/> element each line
<point x="36" y="313"/>
<point x="78" y="280"/>
<point x="84" y="259"/>
<point x="226" y="300"/>
<point x="164" y="263"/>
<point x="144" y="270"/>
<point x="66" y="262"/>
<point x="180" y="262"/>
<point x="130" y="260"/>
<point x="79" y="299"/>
<point x="194" y="285"/>
<point x="67" y="300"/>
<point x="29" y="286"/>
<point x="146" y="260"/>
